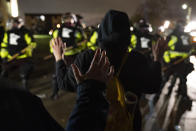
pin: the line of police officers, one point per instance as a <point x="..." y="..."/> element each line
<point x="17" y="46"/>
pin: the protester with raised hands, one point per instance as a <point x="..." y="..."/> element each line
<point x="136" y="75"/>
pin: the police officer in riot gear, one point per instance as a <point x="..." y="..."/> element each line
<point x="179" y="47"/>
<point x="17" y="50"/>
<point x="71" y="34"/>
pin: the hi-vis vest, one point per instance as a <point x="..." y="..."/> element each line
<point x="13" y="42"/>
<point x="171" y="53"/>
<point x="133" y="41"/>
<point x="144" y="42"/>
<point x="120" y="117"/>
<point x="91" y="44"/>
<point x="71" y="38"/>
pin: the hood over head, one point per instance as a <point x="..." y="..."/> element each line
<point x="114" y="30"/>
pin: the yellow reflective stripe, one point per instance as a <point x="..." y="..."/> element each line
<point x="83" y="45"/>
<point x="27" y="39"/>
<point x="3" y="45"/>
<point x="91" y="44"/>
<point x="72" y="51"/>
<point x="130" y="49"/>
<point x="133" y="40"/>
<point x="55" y="34"/>
<point x="18" y="57"/>
<point x="166" y="57"/>
<point x="33" y="44"/>
<point x="4" y="53"/>
<point x="75" y="50"/>
<point x="172" y="42"/>
<point x="5" y="40"/>
<point x="51" y="50"/>
<point x="22" y="56"/>
<point x="174" y="54"/>
<point x="78" y="36"/>
<point x="94" y="37"/>
<point x="28" y="51"/>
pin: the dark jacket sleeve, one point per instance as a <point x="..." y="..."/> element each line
<point x="65" y="76"/>
<point x="91" y="108"/>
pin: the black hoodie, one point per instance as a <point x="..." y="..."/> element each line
<point x="136" y="75"/>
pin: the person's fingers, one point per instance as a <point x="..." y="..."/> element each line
<point x="153" y="47"/>
<point x="77" y="74"/>
<point x="111" y="72"/>
<point x="106" y="65"/>
<point x="53" y="43"/>
<point x="96" y="58"/>
<point x="102" y="58"/>
<point x="64" y="45"/>
<point x="60" y="42"/>
<point x="56" y="41"/>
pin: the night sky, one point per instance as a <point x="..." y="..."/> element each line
<point x="92" y="10"/>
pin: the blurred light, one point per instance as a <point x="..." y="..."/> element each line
<point x="166" y="24"/>
<point x="190" y="26"/>
<point x="14" y="8"/>
<point x="50" y="32"/>
<point x="193" y="59"/>
<point x="58" y="26"/>
<point x="162" y="28"/>
<point x="194" y="39"/>
<point x="131" y="28"/>
<point x="42" y="17"/>
<point x="184" y="6"/>
<point x="193" y="33"/>
<point x="150" y="29"/>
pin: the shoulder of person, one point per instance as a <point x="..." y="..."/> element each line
<point x="86" y="54"/>
<point x="136" y="54"/>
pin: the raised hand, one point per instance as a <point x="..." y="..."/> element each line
<point x="159" y="48"/>
<point x="58" y="48"/>
<point x="100" y="69"/>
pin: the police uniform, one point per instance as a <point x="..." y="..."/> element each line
<point x="71" y="36"/>
<point x="178" y="48"/>
<point x="142" y="42"/>
<point x="93" y="40"/>
<point x="14" y="42"/>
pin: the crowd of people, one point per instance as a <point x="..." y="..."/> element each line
<point x="111" y="69"/>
